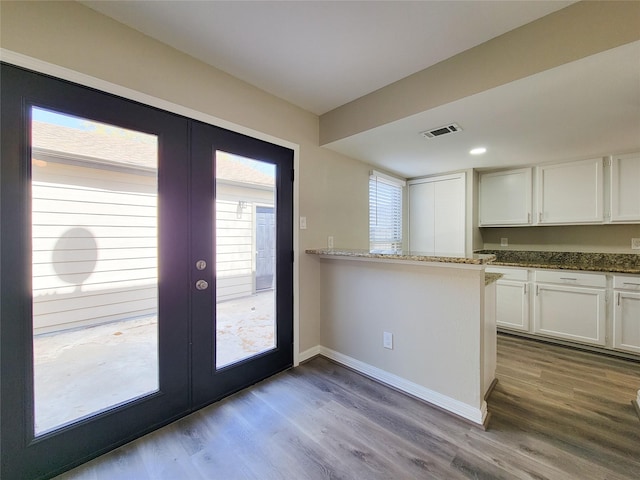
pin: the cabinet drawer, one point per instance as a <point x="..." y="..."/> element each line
<point x="513" y="274"/>
<point x="631" y="282"/>
<point x="570" y="277"/>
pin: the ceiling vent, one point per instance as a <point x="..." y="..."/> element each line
<point x="440" y="131"/>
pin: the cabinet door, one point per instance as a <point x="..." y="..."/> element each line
<point x="449" y="216"/>
<point x="571" y="313"/>
<point x="625" y="193"/>
<point x="512" y="305"/>
<point x="626" y="321"/>
<point x="437" y="215"/>
<point x="505" y="197"/>
<point x="571" y="192"/>
<point x="421" y="217"/>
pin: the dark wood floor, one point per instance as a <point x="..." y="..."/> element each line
<point x="557" y="413"/>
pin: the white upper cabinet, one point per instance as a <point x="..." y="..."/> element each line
<point x="437" y="214"/>
<point x="571" y="193"/>
<point x="625" y="188"/>
<point x="505" y="198"/>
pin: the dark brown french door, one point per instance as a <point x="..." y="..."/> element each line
<point x="233" y="178"/>
<point x="128" y="284"/>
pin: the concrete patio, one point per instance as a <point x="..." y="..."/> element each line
<point x="83" y="371"/>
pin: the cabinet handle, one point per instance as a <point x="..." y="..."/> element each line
<point x="618" y="298"/>
<point x="630" y="283"/>
<point x="569" y="278"/>
<point x="525" y="289"/>
<point x="528" y="218"/>
<point x="537" y="290"/>
<point x="540" y="217"/>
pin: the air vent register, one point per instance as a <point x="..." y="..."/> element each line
<point x="439" y="131"/>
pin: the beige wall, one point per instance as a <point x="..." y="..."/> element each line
<point x="433" y="312"/>
<point x="578" y="238"/>
<point x="333" y="188"/>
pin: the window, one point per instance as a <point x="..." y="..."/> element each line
<point x="385" y="212"/>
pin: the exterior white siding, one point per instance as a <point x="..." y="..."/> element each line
<point x="94" y="245"/>
<point x="94" y="228"/>
<point x="235" y="250"/>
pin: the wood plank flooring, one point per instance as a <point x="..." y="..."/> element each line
<point x="557" y="413"/>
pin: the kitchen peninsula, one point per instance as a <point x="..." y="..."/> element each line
<point x="436" y="313"/>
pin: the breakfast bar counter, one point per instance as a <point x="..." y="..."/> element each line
<point x="473" y="259"/>
<point x="421" y="323"/>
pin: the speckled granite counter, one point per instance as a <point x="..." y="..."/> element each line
<point x="473" y="259"/>
<point x="489" y="278"/>
<point x="594" y="262"/>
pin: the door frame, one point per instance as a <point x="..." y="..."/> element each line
<point x="24" y="452"/>
<point x="142" y="98"/>
<point x="36" y="65"/>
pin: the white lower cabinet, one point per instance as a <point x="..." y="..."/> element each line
<point x="513" y="309"/>
<point x="512" y="299"/>
<point x="576" y="306"/>
<point x="571" y="313"/>
<point x="626" y="314"/>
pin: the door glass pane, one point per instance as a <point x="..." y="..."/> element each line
<point x="94" y="246"/>
<point x="245" y="258"/>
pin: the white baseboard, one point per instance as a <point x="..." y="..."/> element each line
<point x="475" y="415"/>
<point x="307" y="354"/>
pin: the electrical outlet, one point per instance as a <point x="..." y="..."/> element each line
<point x="330" y="241"/>
<point x="504" y="242"/>
<point x="387" y="340"/>
<point x="303" y="223"/>
<point x="635" y="243"/>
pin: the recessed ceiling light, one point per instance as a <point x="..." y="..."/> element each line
<point x="477" y="151"/>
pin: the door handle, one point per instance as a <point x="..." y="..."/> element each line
<point x="202" y="285"/>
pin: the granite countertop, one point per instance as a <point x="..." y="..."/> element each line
<point x="489" y="278"/>
<point x="594" y="262"/>
<point x="473" y="259"/>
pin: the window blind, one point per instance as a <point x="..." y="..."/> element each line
<point x="385" y="213"/>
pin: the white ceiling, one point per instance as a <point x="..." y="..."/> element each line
<point x="322" y="54"/>
<point x="585" y="109"/>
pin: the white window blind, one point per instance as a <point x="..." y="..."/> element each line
<point x="385" y="212"/>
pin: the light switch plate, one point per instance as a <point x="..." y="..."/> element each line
<point x="303" y="223"/>
<point x="635" y="243"/>
<point x="504" y="242"/>
<point x="387" y="340"/>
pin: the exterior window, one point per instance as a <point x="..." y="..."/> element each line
<point x="385" y="212"/>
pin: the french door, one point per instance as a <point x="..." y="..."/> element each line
<point x="233" y="177"/>
<point x="128" y="269"/>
